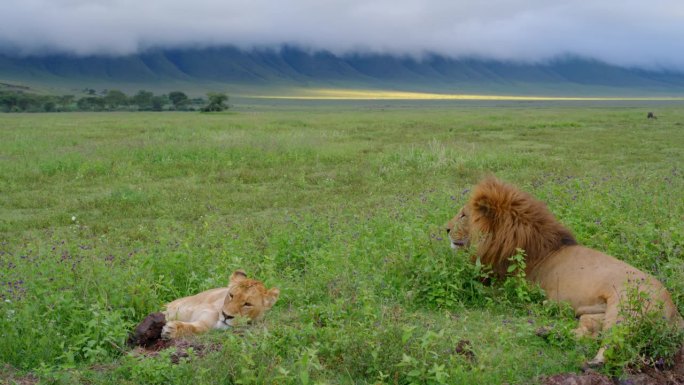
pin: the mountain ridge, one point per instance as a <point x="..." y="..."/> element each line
<point x="295" y="67"/>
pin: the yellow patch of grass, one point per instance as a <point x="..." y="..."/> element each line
<point x="340" y="94"/>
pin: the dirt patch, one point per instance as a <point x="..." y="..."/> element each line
<point x="182" y="349"/>
<point x="647" y="376"/>
<point x="578" y="379"/>
<point x="9" y="375"/>
<point x="669" y="376"/>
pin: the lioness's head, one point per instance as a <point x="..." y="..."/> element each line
<point x="246" y="298"/>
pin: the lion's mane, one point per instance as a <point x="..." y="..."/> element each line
<point x="504" y="218"/>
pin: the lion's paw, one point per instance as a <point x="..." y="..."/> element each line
<point x="170" y="330"/>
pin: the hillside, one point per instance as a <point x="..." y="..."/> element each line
<point x="293" y="67"/>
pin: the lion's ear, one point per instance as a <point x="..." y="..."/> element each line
<point x="489" y="196"/>
<point x="238" y="275"/>
<point x="271" y="297"/>
<point x="484" y="207"/>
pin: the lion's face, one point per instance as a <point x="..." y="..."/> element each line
<point x="246" y="298"/>
<point x="458" y="229"/>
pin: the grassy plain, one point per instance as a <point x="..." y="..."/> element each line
<point x="106" y="216"/>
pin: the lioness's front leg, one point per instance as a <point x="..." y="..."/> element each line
<point x="176" y="329"/>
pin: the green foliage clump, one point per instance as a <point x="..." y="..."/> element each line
<point x="107" y="100"/>
<point x="179" y="100"/>
<point x="165" y="368"/>
<point x="642" y="336"/>
<point x="446" y="280"/>
<point x="516" y="288"/>
<point x="450" y="280"/>
<point x="217" y="102"/>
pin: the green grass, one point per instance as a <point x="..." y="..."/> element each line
<point x="104" y="217"/>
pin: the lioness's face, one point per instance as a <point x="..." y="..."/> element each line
<point x="458" y="229"/>
<point x="246" y="298"/>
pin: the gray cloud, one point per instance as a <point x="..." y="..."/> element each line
<point x="624" y="32"/>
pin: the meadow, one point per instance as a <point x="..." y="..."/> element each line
<point x="104" y="217"/>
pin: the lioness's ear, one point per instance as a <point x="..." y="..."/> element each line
<point x="238" y="275"/>
<point x="271" y="297"/>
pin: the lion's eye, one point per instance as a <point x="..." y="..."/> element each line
<point x="230" y="296"/>
<point x="248" y="304"/>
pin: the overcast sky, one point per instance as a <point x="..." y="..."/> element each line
<point x="626" y="32"/>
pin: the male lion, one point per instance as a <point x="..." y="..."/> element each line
<point x="499" y="218"/>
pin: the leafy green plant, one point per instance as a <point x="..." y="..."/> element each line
<point x="642" y="336"/>
<point x="98" y="334"/>
<point x="446" y="280"/>
<point x="561" y="323"/>
<point x="516" y="288"/>
<point x="165" y="368"/>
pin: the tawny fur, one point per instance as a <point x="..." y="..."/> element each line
<point x="512" y="219"/>
<point x="499" y="219"/>
<point x="217" y="308"/>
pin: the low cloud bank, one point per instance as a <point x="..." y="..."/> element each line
<point x="622" y="32"/>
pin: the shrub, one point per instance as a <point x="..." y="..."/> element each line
<point x="642" y="336"/>
<point x="443" y="280"/>
<point x="516" y="288"/>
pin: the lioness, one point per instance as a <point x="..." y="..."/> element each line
<point x="499" y="218"/>
<point x="217" y="308"/>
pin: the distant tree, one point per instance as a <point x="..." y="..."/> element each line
<point x="90" y="103"/>
<point x="143" y="99"/>
<point x="8" y="101"/>
<point x="178" y="99"/>
<point x="217" y="102"/>
<point x="115" y="98"/>
<point x="49" y="105"/>
<point x="65" y="101"/>
<point x="19" y="101"/>
<point x="29" y="102"/>
<point x="83" y="104"/>
<point x="159" y="101"/>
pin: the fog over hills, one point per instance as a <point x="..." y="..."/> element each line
<point x="295" y="67"/>
<point x="512" y="46"/>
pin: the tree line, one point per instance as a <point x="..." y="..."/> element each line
<point x="110" y="100"/>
